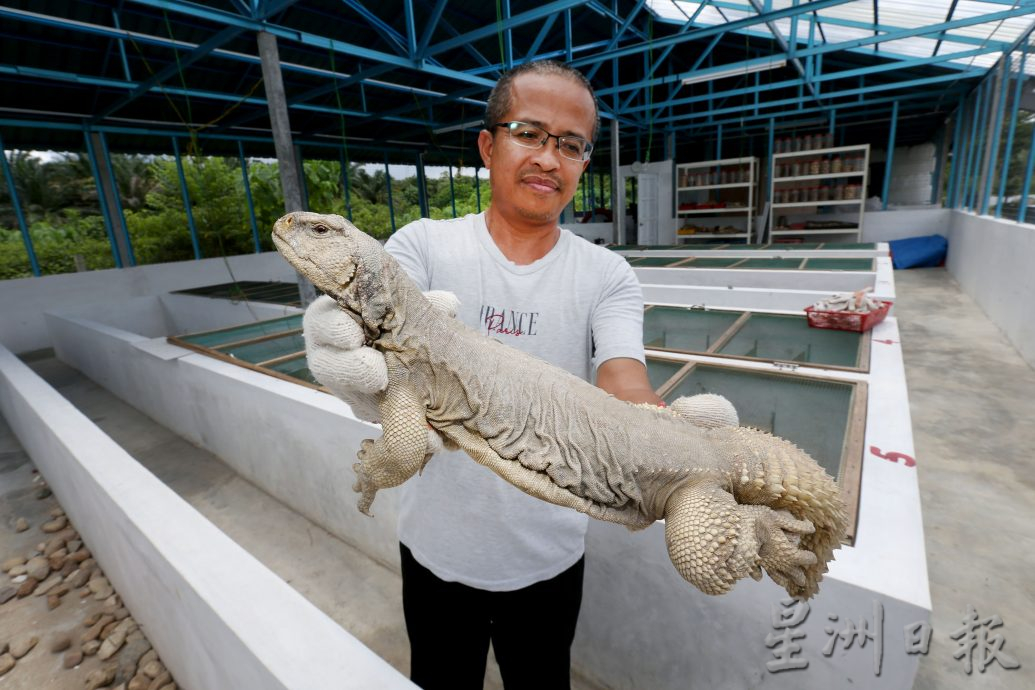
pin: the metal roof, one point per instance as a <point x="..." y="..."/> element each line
<point x="397" y="78"/>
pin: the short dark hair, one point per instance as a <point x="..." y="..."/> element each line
<point x="500" y="99"/>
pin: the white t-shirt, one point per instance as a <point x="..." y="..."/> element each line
<point x="576" y="307"/>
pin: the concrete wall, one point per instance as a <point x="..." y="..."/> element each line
<point x="641" y="625"/>
<point x="896" y="224"/>
<point x="296" y="443"/>
<point x="24" y="300"/>
<point x="993" y="261"/>
<point x="218" y="617"/>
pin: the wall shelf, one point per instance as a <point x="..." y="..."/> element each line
<point x="846" y="183"/>
<point x="729" y="180"/>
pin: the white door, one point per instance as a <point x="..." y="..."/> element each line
<point x="647" y="209"/>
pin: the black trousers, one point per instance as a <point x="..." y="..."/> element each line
<point x="450" y="626"/>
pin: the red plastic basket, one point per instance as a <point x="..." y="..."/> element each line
<point x="847" y="320"/>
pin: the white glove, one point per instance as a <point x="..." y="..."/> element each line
<point x="339" y="360"/>
<point x="706" y="410"/>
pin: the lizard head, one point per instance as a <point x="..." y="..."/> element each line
<point x="340" y="260"/>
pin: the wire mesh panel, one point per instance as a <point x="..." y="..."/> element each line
<point x="812" y="413"/>
<point x="266" y="350"/>
<point x="225" y="336"/>
<point x="658" y="261"/>
<point x="772" y="263"/>
<point x="789" y="338"/>
<point x="279" y="293"/>
<point x="677" y="328"/>
<point x="839" y="265"/>
<point x="712" y="262"/>
<point x="296" y="368"/>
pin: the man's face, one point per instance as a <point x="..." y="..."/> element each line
<point x="536" y="184"/>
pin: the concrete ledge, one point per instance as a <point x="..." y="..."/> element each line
<point x="641" y="624"/>
<point x="219" y="618"/>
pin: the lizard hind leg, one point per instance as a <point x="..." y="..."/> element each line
<point x="713" y="541"/>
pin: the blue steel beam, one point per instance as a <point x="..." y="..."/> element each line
<point x="390" y="35"/>
<point x="122" y="46"/>
<point x="912" y="83"/>
<point x="101" y="201"/>
<point x="411" y="30"/>
<point x="16" y="204"/>
<point x="312" y="40"/>
<point x="817" y="50"/>
<point x="617" y="34"/>
<point x="790" y="83"/>
<point x="1022" y="212"/>
<point x="993" y="158"/>
<point x="1013" y="126"/>
<point x="950" y="188"/>
<point x="191" y="93"/>
<point x="514" y="21"/>
<point x="124" y="226"/>
<point x="429" y="28"/>
<point x="388" y="184"/>
<point x="975" y="118"/>
<point x="180" y="63"/>
<point x="830" y="76"/>
<point x="248" y="196"/>
<point x="544" y="31"/>
<point x="890" y="156"/>
<point x="979" y="164"/>
<point x="163" y="42"/>
<point x="868" y="26"/>
<point x="966" y="115"/>
<point x="185" y="193"/>
<point x="948" y="18"/>
<point x="851" y="109"/>
<point x="343" y="166"/>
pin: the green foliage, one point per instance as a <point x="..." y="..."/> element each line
<point x="59" y="200"/>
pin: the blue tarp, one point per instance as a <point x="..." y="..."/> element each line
<point x="919" y="252"/>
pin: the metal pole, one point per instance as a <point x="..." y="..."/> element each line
<point x="452" y="190"/>
<point x="248" y="195"/>
<point x="1022" y="212"/>
<point x="276" y="100"/>
<point x="478" y="187"/>
<point x="890" y="156"/>
<point x="388" y="184"/>
<point x="957" y="158"/>
<point x="344" y="166"/>
<point x="422" y="187"/>
<point x="1009" y="136"/>
<point x="617" y="214"/>
<point x="993" y="149"/>
<point x="122" y="238"/>
<point x="964" y="195"/>
<point x="102" y="198"/>
<point x="17" y="206"/>
<point x="302" y="186"/>
<point x="185" y="193"/>
<point x="274" y="84"/>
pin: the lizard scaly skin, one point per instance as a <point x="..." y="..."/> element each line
<point x="734" y="500"/>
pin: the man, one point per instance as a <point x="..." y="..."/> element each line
<point x="481" y="560"/>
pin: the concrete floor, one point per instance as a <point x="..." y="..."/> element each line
<point x="972" y="400"/>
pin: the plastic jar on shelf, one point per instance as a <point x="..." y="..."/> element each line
<point x="824" y="166"/>
<point x="835" y="165"/>
<point x="814" y="166"/>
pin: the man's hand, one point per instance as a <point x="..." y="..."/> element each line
<point x="706" y="410"/>
<point x="357" y="374"/>
<point x="338" y="359"/>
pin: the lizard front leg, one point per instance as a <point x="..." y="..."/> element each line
<point x="402" y="449"/>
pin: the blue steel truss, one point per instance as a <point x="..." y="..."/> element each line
<point x="402" y="81"/>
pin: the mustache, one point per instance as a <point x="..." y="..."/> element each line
<point x="556" y="180"/>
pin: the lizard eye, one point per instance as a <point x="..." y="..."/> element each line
<point x="321" y="230"/>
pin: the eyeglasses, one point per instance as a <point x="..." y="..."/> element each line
<point x="534" y="137"/>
